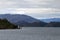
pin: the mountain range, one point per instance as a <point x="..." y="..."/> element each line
<point x="51" y="20"/>
<point x="28" y="21"/>
<point x="17" y="17"/>
<point x="22" y="20"/>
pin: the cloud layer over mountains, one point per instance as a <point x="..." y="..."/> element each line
<point x="35" y="8"/>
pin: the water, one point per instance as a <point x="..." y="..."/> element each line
<point x="31" y="33"/>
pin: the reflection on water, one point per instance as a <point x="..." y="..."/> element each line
<point x="31" y="33"/>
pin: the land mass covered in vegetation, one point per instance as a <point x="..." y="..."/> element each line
<point x="5" y="24"/>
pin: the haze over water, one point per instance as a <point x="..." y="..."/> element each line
<point x="31" y="33"/>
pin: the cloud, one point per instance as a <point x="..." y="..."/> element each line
<point x="39" y="10"/>
<point x="34" y="12"/>
<point x="35" y="8"/>
<point x="29" y="3"/>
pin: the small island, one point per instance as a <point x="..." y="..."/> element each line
<point x="5" y="24"/>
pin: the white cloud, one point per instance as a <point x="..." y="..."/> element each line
<point x="38" y="10"/>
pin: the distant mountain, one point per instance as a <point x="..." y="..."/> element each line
<point x="33" y="24"/>
<point x="51" y="20"/>
<point x="53" y="24"/>
<point x="22" y="20"/>
<point x="28" y="21"/>
<point x="17" y="17"/>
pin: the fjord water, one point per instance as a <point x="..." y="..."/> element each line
<point x="31" y="33"/>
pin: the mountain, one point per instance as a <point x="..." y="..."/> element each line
<point x="53" y="24"/>
<point x="22" y="20"/>
<point x="5" y="24"/>
<point x="28" y="21"/>
<point x="33" y="24"/>
<point x="51" y="20"/>
<point x="17" y="17"/>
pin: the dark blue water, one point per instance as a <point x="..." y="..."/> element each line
<point x="31" y="33"/>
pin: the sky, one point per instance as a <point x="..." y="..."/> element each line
<point x="35" y="8"/>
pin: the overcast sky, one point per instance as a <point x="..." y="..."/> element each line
<point x="34" y="8"/>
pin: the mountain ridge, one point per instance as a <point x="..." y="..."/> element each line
<point x="22" y="20"/>
<point x="51" y="20"/>
<point x="28" y="21"/>
<point x="10" y="17"/>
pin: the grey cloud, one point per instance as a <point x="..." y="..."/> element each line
<point x="43" y="4"/>
<point x="32" y="3"/>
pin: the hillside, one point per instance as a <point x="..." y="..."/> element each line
<point x="5" y="24"/>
